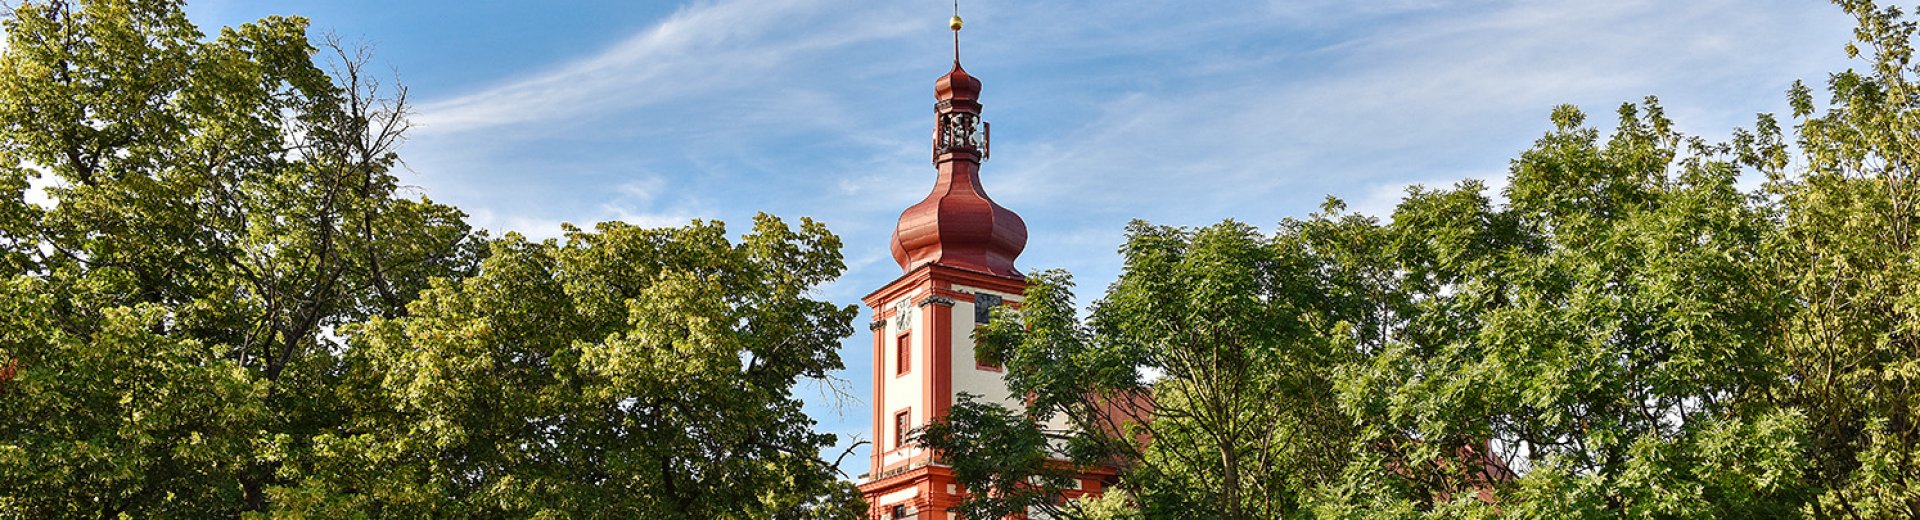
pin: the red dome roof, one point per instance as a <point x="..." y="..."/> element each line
<point x="958" y="226"/>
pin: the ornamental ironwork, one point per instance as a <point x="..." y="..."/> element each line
<point x="961" y="132"/>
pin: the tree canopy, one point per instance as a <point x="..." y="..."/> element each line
<point x="628" y="372"/>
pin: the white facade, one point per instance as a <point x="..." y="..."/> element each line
<point x="902" y="390"/>
<point x="967" y="375"/>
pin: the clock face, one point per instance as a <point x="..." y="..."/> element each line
<point x="902" y="315"/>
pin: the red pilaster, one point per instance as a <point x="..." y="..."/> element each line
<point x="941" y="398"/>
<point x="879" y="385"/>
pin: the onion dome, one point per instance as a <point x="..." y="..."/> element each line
<point x="957" y="85"/>
<point x="958" y="226"/>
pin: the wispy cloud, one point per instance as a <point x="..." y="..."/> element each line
<point x="1379" y="200"/>
<point x="648" y="201"/>
<point x="1338" y="11"/>
<point x="1440" y="90"/>
<point x="639" y="202"/>
<point x="698" y="51"/>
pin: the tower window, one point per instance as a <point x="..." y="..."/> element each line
<point x="900" y="428"/>
<point x="903" y="353"/>
<point x="983" y="305"/>
<point x="980" y="362"/>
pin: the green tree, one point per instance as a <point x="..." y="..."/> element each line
<point x="1239" y="329"/>
<point x="218" y="206"/>
<point x="122" y="420"/>
<point x="1848" y="248"/>
<point x="626" y="372"/>
<point x="1605" y="333"/>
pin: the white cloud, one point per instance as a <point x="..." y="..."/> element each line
<point x="635" y="202"/>
<point x="643" y="190"/>
<point x="1379" y="200"/>
<point x="533" y="228"/>
<point x="638" y="202"/>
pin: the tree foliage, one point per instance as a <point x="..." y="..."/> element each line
<point x="1002" y="457"/>
<point x="230" y="304"/>
<point x="1605" y="331"/>
<point x="1848" y="238"/>
<point x="628" y="371"/>
<point x="217" y="206"/>
<point x="1238" y="326"/>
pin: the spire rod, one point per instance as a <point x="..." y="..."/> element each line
<point x="955" y="24"/>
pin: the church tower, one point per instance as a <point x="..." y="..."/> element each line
<point x="956" y="248"/>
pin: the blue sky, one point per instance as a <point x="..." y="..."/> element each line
<point x="532" y="113"/>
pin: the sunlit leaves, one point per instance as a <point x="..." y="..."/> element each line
<point x="645" y="372"/>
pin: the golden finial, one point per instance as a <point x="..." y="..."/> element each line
<point x="955" y="24"/>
